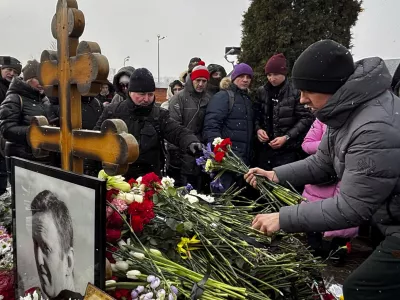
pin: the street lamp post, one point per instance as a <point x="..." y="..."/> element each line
<point x="126" y="59"/>
<point x="159" y="38"/>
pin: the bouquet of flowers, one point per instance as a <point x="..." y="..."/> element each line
<point x="222" y="159"/>
<point x="166" y="242"/>
<point x="6" y="265"/>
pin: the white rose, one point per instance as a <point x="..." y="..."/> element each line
<point x="217" y="141"/>
<point x="132" y="274"/>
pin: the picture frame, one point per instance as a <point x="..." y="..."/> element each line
<point x="57" y="212"/>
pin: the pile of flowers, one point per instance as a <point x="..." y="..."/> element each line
<point x="6" y="265"/>
<point x="165" y="241"/>
<point x="222" y="159"/>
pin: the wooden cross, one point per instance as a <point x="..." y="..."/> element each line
<point x="75" y="69"/>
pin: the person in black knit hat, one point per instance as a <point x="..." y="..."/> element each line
<point x="361" y="148"/>
<point x="149" y="124"/>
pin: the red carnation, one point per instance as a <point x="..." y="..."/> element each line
<point x="219" y="156"/>
<point x="109" y="252"/>
<point x="134" y="208"/>
<point x="216" y="149"/>
<point x="115" y="220"/>
<point x="132" y="181"/>
<point x="110" y="193"/>
<point x="150" y="178"/>
<point x="123" y="293"/>
<point x="148" y="195"/>
<point x="225" y="143"/>
<point x="348" y="246"/>
<point x="137" y="223"/>
<point x="113" y="235"/>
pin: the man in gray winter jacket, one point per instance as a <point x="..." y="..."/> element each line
<point x="361" y="148"/>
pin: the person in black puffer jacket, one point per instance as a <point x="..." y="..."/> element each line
<point x="281" y="122"/>
<point x="234" y="122"/>
<point x="24" y="100"/>
<point x="149" y="124"/>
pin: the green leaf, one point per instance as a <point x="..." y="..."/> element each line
<point x="172" y="191"/>
<point x="239" y="262"/>
<point x="153" y="242"/>
<point x="181" y="228"/>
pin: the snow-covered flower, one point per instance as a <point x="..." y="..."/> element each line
<point x="191" y="197"/>
<point x="167" y="182"/>
<point x="217" y="141"/>
<point x="132" y="274"/>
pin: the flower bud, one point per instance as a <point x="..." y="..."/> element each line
<point x="155" y="252"/>
<point x="171" y="297"/>
<point x="174" y="290"/>
<point x="156" y="283"/>
<point x="134" y="294"/>
<point x="137" y="255"/>
<point x="140" y="289"/>
<point x="132" y="274"/>
<point x="114" y="268"/>
<point x="109" y="282"/>
<point x="122" y="266"/>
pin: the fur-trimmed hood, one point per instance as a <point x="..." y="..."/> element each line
<point x="225" y="83"/>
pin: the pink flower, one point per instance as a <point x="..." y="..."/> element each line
<point x="109" y="211"/>
<point x="119" y="204"/>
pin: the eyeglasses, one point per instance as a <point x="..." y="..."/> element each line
<point x="124" y="85"/>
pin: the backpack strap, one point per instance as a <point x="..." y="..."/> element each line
<point x="231" y="95"/>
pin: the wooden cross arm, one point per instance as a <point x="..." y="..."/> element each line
<point x="112" y="144"/>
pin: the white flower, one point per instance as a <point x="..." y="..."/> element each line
<point x="137" y="255"/>
<point x="108" y="282"/>
<point x="207" y="198"/>
<point x="121" y="243"/>
<point x="139" y="180"/>
<point x="138" y="198"/>
<point x="114" y="268"/>
<point x="190" y="198"/>
<point x="132" y="274"/>
<point x="129" y="198"/>
<point x="217" y="141"/>
<point x="122" y="266"/>
<point x="167" y="182"/>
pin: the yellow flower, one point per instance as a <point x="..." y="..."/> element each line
<point x="209" y="165"/>
<point x="184" y="246"/>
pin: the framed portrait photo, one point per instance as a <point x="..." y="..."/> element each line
<point x="58" y="230"/>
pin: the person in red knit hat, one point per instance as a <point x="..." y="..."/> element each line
<point x="281" y="122"/>
<point x="188" y="107"/>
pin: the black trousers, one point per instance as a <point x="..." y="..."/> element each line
<point x="378" y="278"/>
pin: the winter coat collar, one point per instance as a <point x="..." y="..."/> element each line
<point x="23" y="89"/>
<point x="140" y="111"/>
<point x="370" y="79"/>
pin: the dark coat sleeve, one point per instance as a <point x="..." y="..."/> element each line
<point x="107" y="114"/>
<point x="258" y="110"/>
<point x="174" y="108"/>
<point x="367" y="181"/>
<point x="216" y="113"/>
<point x="10" y="120"/>
<point x="175" y="133"/>
<point x="305" y="119"/>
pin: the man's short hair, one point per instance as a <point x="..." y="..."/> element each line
<point x="46" y="201"/>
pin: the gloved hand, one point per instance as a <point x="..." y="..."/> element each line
<point x="195" y="148"/>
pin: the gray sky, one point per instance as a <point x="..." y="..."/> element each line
<point x="130" y="27"/>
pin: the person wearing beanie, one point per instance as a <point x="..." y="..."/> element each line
<point x="361" y="148"/>
<point x="281" y="122"/>
<point x="217" y="72"/>
<point x="149" y="124"/>
<point x="10" y="68"/>
<point x="120" y="83"/>
<point x="229" y="114"/>
<point x="188" y="109"/>
<point x="25" y="99"/>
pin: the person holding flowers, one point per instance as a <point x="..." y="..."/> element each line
<point x="361" y="148"/>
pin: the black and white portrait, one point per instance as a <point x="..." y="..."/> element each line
<point x="55" y="230"/>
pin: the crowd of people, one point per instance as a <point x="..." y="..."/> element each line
<point x="331" y="131"/>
